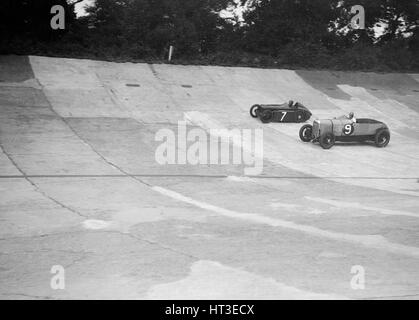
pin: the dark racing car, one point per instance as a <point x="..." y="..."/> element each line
<point x="286" y="112"/>
<point x="345" y="129"/>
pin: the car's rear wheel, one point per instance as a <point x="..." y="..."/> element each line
<point x="266" y="115"/>
<point x="306" y="133"/>
<point x="253" y="110"/>
<point x="382" y="138"/>
<point x="327" y="140"/>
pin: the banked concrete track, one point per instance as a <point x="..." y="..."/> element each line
<point x="80" y="186"/>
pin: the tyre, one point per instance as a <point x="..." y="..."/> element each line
<point x="253" y="110"/>
<point x="327" y="140"/>
<point x="266" y="116"/>
<point x="382" y="138"/>
<point x="306" y="133"/>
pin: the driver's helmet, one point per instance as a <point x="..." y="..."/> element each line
<point x="351" y="115"/>
<point x="290" y="103"/>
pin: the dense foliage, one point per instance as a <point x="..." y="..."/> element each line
<point x="268" y="33"/>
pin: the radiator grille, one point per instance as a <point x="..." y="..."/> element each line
<point x="316" y="128"/>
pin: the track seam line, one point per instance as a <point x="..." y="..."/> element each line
<point x="191" y="176"/>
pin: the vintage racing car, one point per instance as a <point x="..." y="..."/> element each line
<point x="328" y="131"/>
<point x="286" y="112"/>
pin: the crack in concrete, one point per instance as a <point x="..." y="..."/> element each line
<point x="36" y="187"/>
<point x="390" y="297"/>
<point x="64" y="120"/>
<point x="56" y="201"/>
<point x="154" y="243"/>
<point x="71" y="264"/>
<point x="112" y="95"/>
<point x="45" y="235"/>
<point x="127" y="175"/>
<point x="26" y="295"/>
<point x="130" y="235"/>
<point x="48" y="251"/>
<point x="214" y="176"/>
<point x="12" y="160"/>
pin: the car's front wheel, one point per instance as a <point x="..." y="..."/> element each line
<point x="253" y="110"/>
<point x="306" y="133"/>
<point x="327" y="140"/>
<point x="382" y="138"/>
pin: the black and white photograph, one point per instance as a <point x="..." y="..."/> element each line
<point x="209" y="150"/>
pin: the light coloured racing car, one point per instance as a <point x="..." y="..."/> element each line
<point x="345" y="129"/>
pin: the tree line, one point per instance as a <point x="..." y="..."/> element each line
<point x="264" y="33"/>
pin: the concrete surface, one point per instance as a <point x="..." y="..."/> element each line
<point x="80" y="186"/>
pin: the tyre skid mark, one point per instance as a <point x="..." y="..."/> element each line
<point x="342" y="204"/>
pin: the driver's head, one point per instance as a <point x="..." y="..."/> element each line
<point x="290" y="103"/>
<point x="351" y="115"/>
